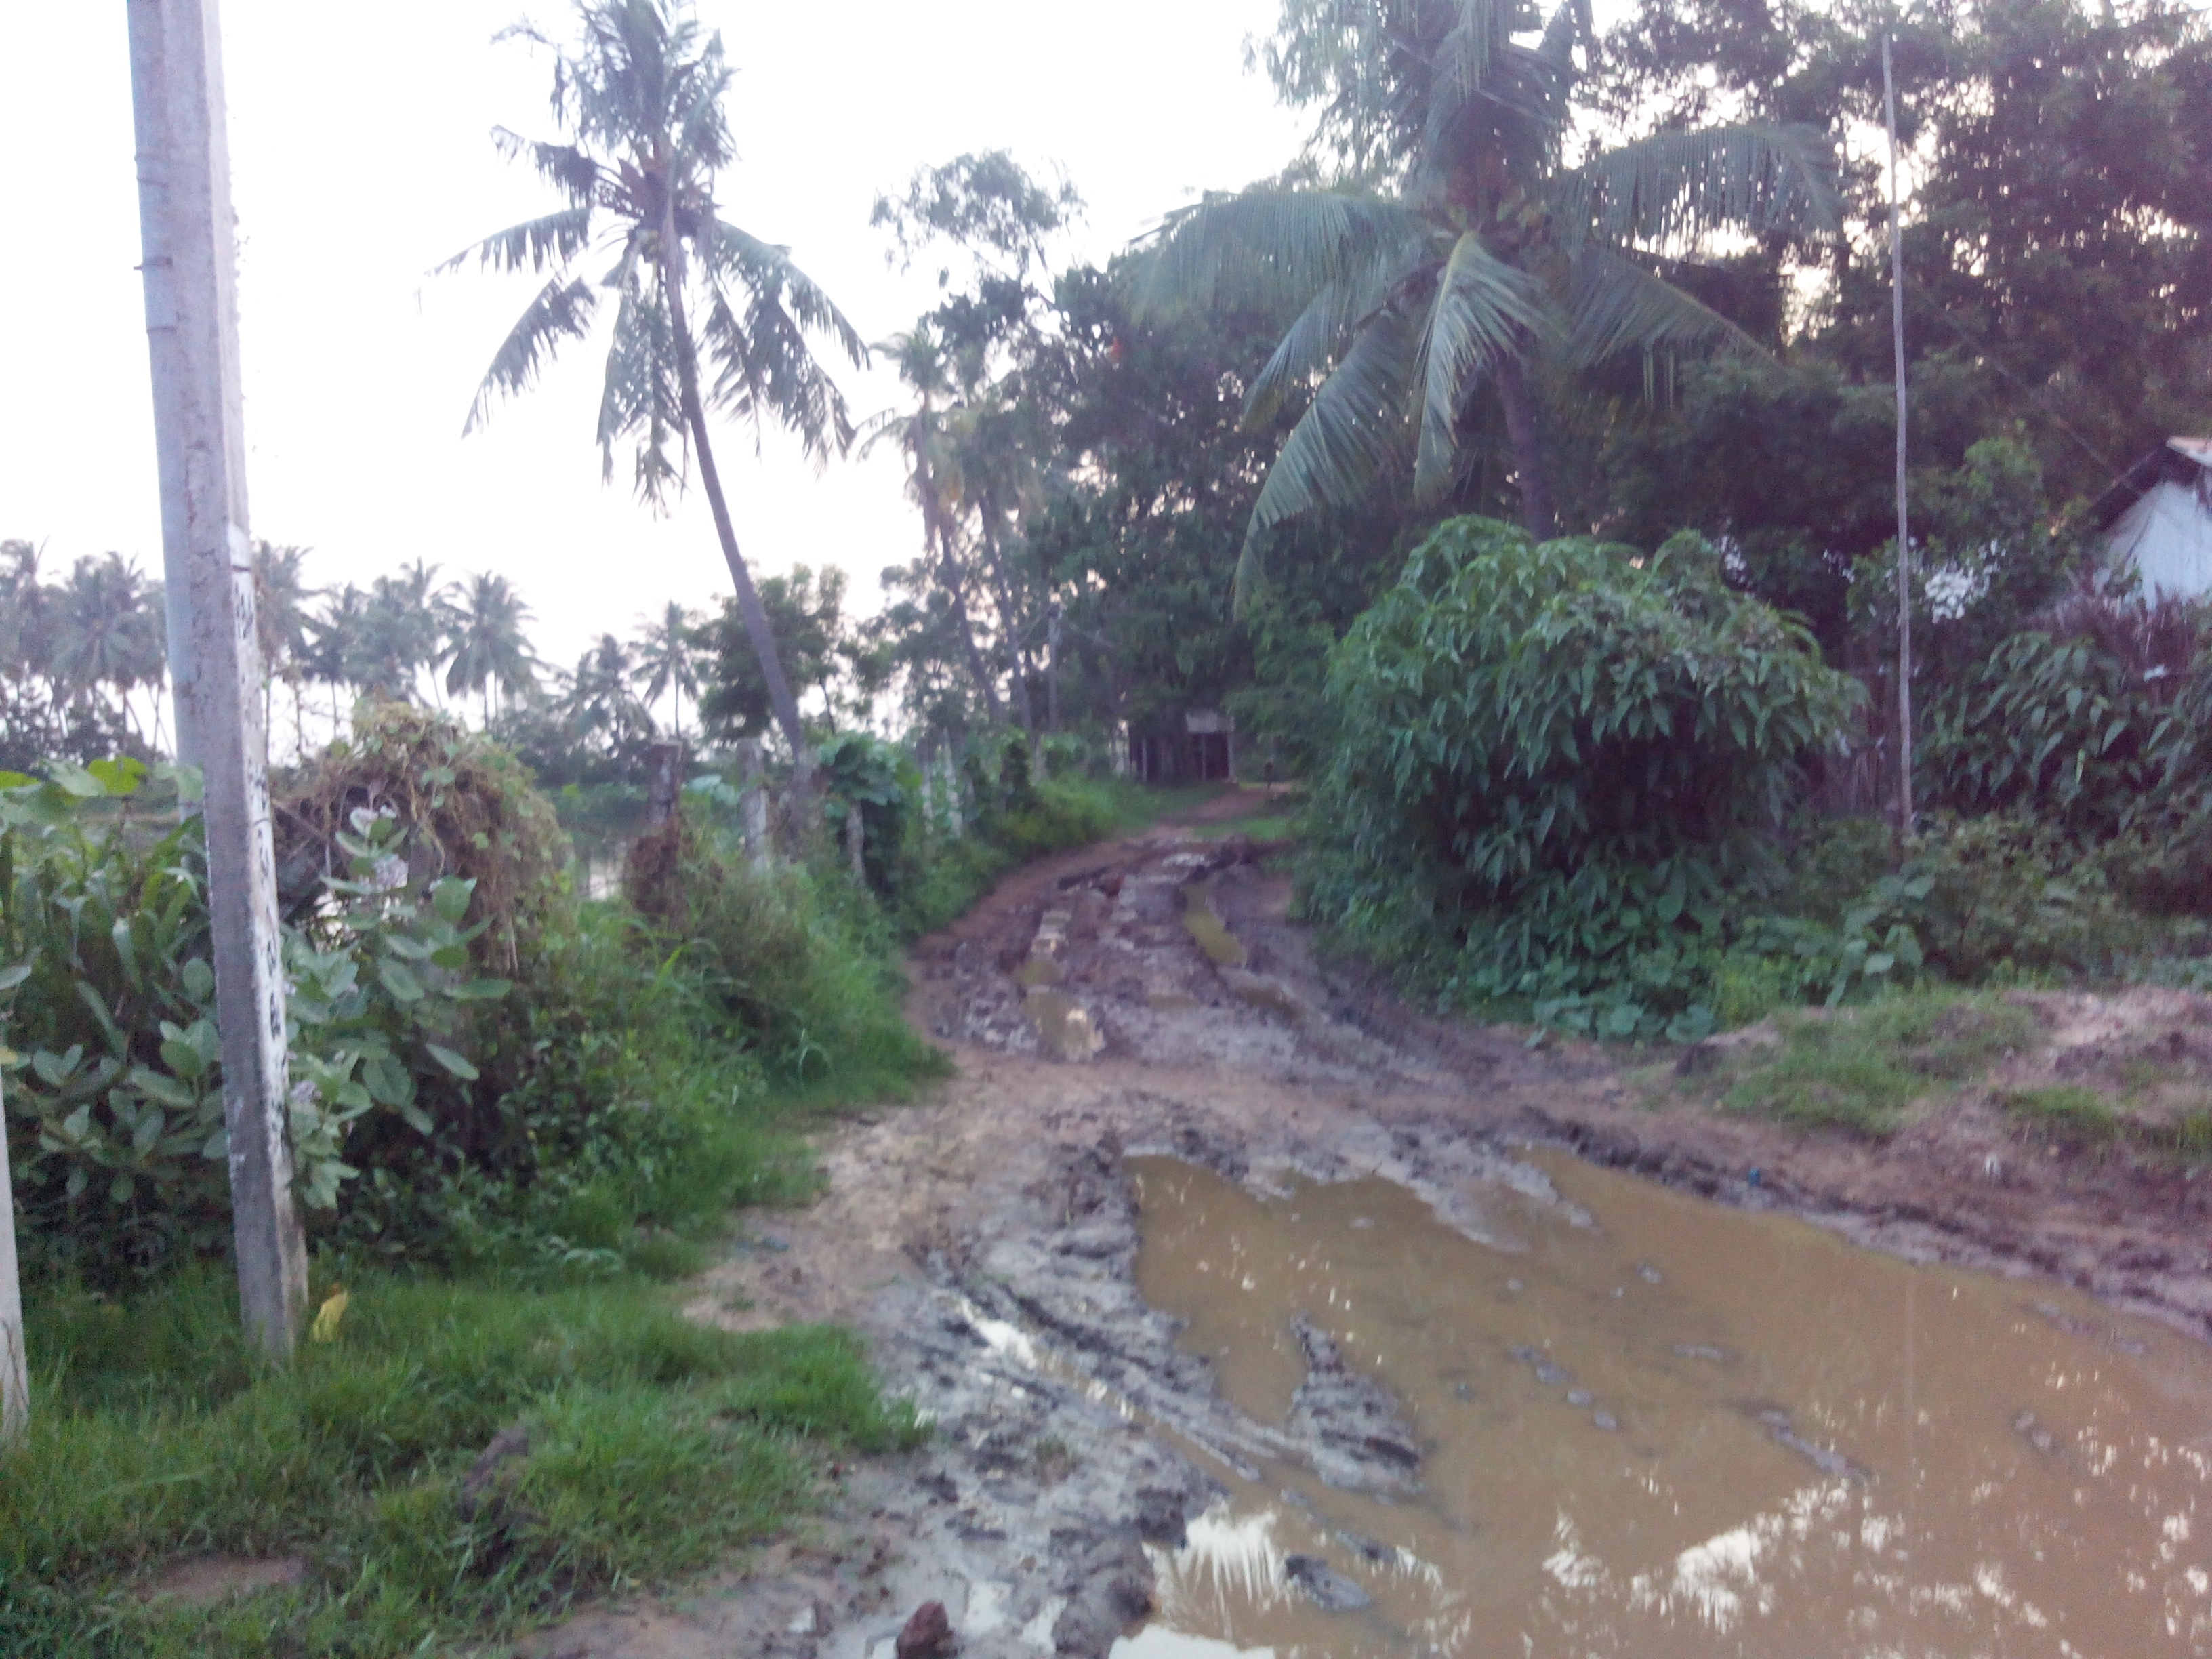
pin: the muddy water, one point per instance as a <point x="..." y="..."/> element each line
<point x="1679" y="1430"/>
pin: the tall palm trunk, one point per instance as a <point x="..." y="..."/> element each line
<point x="1524" y="428"/>
<point x="1008" y="619"/>
<point x="939" y="534"/>
<point x="695" y="417"/>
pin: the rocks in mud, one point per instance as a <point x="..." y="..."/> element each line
<point x="1108" y="1584"/>
<point x="1372" y="1550"/>
<point x="1348" y="1423"/>
<point x="1550" y="1374"/>
<point x="1830" y="1461"/>
<point x="1324" y="1585"/>
<point x="927" y="1635"/>
<point x="1163" y="1516"/>
<point x="2060" y="1319"/>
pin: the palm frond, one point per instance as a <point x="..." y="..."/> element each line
<point x="1484" y="310"/>
<point x="1753" y="176"/>
<point x="563" y="166"/>
<point x="1615" y="306"/>
<point x="1312" y="340"/>
<point x="767" y="270"/>
<point x="562" y="311"/>
<point x="764" y="371"/>
<point x="1266" y="247"/>
<point x="642" y="392"/>
<point x="1355" y="425"/>
<point x="554" y="240"/>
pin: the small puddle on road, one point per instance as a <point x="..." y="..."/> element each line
<point x="1684" y="1431"/>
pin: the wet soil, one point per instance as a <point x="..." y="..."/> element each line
<point x="1153" y="999"/>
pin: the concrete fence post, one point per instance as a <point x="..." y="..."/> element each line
<point x="190" y="280"/>
<point x="856" y="842"/>
<point x="15" y="1372"/>
<point x="755" y="800"/>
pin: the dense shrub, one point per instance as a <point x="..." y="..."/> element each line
<point x="617" y="1076"/>
<point x="1555" y="764"/>
<point x="2061" y="726"/>
<point x="115" y="1090"/>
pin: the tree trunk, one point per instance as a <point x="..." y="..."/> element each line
<point x="1524" y="426"/>
<point x="1008" y="619"/>
<point x="749" y="603"/>
<point x="935" y="528"/>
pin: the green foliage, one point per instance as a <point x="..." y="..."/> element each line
<point x="2057" y="726"/>
<point x="1555" y="764"/>
<point x="1859" y="1069"/>
<point x="122" y="1159"/>
<point x="655" y="1443"/>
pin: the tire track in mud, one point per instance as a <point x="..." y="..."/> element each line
<point x="985" y="1243"/>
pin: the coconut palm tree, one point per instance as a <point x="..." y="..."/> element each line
<point x="641" y="102"/>
<point x="485" y="648"/>
<point x="600" y="705"/>
<point x="1487" y="253"/>
<point x="107" y="634"/>
<point x="924" y="433"/>
<point x="668" y="660"/>
<point x="285" y="623"/>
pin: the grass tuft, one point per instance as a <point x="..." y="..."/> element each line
<point x="1859" y="1069"/>
<point x="2064" y="1111"/>
<point x="654" y="1443"/>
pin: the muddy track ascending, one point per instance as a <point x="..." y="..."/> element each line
<point x="1150" y="996"/>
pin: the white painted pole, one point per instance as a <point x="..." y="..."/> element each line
<point x="1903" y="527"/>
<point x="190" y="274"/>
<point x="14" y="1373"/>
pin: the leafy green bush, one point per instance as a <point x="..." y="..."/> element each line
<point x="2061" y="726"/>
<point x="1555" y="766"/>
<point x="108" y="994"/>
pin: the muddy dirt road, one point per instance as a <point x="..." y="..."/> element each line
<point x="1148" y="999"/>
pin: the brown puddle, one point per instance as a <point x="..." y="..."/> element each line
<point x="1724" y="1433"/>
<point x="1207" y="927"/>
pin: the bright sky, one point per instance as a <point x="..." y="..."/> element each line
<point x="360" y="158"/>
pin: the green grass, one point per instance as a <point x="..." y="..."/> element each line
<point x="1859" y="1069"/>
<point x="2065" y="1111"/>
<point x="656" y="1444"/>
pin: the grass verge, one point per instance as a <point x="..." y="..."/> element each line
<point x="654" y="1444"/>
<point x="1859" y="1069"/>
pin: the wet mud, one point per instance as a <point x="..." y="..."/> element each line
<point x="1568" y="1390"/>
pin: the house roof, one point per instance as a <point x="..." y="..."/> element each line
<point x="2178" y="460"/>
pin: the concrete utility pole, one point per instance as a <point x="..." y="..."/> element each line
<point x="1903" y="536"/>
<point x="190" y="274"/>
<point x="15" y="1373"/>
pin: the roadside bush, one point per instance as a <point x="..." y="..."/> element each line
<point x="603" y="1103"/>
<point x="1556" y="768"/>
<point x="108" y="995"/>
<point x="2059" y="726"/>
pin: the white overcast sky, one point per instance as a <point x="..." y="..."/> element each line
<point x="360" y="157"/>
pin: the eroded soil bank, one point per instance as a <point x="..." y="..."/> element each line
<point x="987" y="1242"/>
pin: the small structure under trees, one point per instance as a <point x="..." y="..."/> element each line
<point x="2157" y="519"/>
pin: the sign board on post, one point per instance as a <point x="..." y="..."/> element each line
<point x="190" y="274"/>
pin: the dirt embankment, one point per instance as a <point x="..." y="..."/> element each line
<point x="1151" y="997"/>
